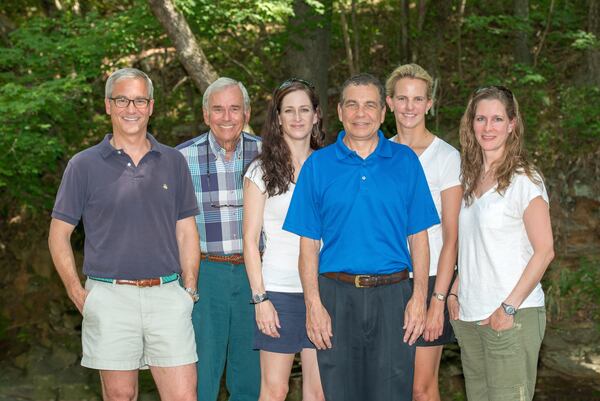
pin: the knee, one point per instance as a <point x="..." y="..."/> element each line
<point x="424" y="392"/>
<point x="120" y="394"/>
<point x="313" y="395"/>
<point x="274" y="392"/>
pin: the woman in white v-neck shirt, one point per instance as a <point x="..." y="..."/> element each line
<point x="409" y="97"/>
<point x="293" y="129"/>
<point x="505" y="246"/>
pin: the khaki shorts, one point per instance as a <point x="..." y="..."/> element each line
<point x="127" y="327"/>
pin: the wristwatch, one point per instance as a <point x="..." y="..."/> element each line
<point x="438" y="296"/>
<point x="258" y="298"/>
<point x="509" y="309"/>
<point x="193" y="292"/>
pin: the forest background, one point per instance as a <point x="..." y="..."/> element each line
<point x="55" y="56"/>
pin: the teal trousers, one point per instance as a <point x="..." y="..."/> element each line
<point x="501" y="365"/>
<point x="224" y="323"/>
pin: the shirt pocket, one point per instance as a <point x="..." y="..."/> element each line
<point x="492" y="215"/>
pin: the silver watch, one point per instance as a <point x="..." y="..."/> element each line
<point x="438" y="296"/>
<point x="509" y="309"/>
<point x="193" y="292"/>
<point x="258" y="298"/>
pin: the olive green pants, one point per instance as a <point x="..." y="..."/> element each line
<point x="501" y="365"/>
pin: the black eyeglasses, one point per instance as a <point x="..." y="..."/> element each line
<point x="289" y="82"/>
<point x="123" y="102"/>
<point x="238" y="187"/>
<point x="500" y="88"/>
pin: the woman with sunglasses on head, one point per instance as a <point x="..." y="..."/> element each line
<point x="505" y="245"/>
<point x="409" y="97"/>
<point x="293" y="130"/>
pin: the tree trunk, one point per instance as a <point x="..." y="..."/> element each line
<point x="461" y="16"/>
<point x="522" y="53"/>
<point x="308" y="49"/>
<point x="347" y="45"/>
<point x="593" y="55"/>
<point x="189" y="52"/>
<point x="405" y="55"/>
<point x="355" y="30"/>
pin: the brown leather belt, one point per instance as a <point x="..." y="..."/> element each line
<point x="368" y="280"/>
<point x="234" y="259"/>
<point x="146" y="282"/>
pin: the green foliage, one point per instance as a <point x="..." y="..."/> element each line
<point x="50" y="87"/>
<point x="575" y="292"/>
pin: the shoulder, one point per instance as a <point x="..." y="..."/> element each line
<point x="403" y="153"/>
<point x="522" y="184"/>
<point x="255" y="168"/>
<point x="186" y="146"/>
<point x="87" y="157"/>
<point x="251" y="138"/>
<point x="446" y="149"/>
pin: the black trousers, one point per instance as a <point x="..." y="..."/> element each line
<point x="368" y="360"/>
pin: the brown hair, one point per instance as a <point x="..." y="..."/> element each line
<point x="514" y="160"/>
<point x="276" y="157"/>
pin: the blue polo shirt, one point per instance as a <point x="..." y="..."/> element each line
<point x="362" y="209"/>
<point x="129" y="212"/>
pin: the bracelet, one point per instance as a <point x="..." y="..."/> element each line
<point x="452" y="295"/>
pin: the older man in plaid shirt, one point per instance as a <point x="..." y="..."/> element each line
<point x="223" y="318"/>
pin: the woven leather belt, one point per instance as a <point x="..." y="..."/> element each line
<point x="368" y="280"/>
<point x="145" y="282"/>
<point x="234" y="259"/>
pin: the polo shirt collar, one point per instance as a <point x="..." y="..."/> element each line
<point x="106" y="149"/>
<point x="383" y="149"/>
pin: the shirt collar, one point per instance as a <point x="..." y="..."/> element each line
<point x="218" y="150"/>
<point x="383" y="149"/>
<point x="106" y="149"/>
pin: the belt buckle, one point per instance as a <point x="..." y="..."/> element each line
<point x="357" y="278"/>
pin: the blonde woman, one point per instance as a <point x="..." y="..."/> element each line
<point x="505" y="245"/>
<point x="409" y="97"/>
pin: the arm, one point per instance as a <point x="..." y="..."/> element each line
<point x="414" y="314"/>
<point x="188" y="243"/>
<point x="451" y="199"/>
<point x="539" y="232"/>
<point x="254" y="206"/>
<point x="318" y="322"/>
<point x="59" y="242"/>
<point x="452" y="301"/>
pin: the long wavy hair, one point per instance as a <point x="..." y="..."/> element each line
<point x="514" y="160"/>
<point x="276" y="157"/>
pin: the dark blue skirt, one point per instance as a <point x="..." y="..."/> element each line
<point x="291" y="310"/>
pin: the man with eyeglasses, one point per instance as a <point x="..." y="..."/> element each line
<point x="136" y="200"/>
<point x="223" y="317"/>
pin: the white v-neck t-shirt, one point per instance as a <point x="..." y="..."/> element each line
<point x="441" y="164"/>
<point x="493" y="248"/>
<point x="282" y="248"/>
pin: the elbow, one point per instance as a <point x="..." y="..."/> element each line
<point x="550" y="254"/>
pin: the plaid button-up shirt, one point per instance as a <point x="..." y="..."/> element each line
<point x="219" y="189"/>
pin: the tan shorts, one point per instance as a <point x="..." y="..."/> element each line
<point x="128" y="328"/>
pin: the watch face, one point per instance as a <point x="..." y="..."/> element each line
<point x="509" y="309"/>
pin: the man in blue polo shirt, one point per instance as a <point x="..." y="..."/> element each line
<point x="365" y="198"/>
<point x="136" y="200"/>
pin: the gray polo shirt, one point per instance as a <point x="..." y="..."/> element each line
<point x="129" y="212"/>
